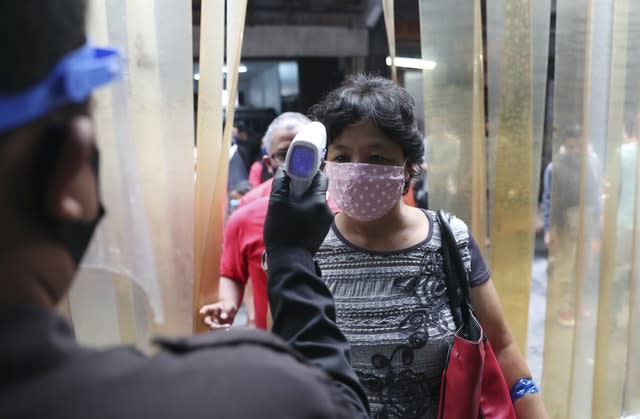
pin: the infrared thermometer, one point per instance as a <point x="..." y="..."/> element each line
<point x="304" y="157"/>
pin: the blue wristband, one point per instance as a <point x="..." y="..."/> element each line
<point x="522" y="387"/>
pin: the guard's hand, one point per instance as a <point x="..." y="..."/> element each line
<point x="219" y="315"/>
<point x="297" y="224"/>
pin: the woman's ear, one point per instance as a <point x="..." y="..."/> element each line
<point x="72" y="188"/>
<point x="409" y="169"/>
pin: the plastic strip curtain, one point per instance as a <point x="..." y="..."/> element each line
<point x="576" y="183"/>
<point x="207" y="283"/>
<point x="479" y="143"/>
<point x="389" y="21"/>
<point x="593" y="259"/>
<point x="513" y="198"/>
<point x="495" y="37"/>
<point x="615" y="384"/>
<point x="540" y="26"/>
<point x="452" y="93"/>
<point x="209" y="153"/>
<point x="631" y="399"/>
<point x="540" y="23"/>
<point x="610" y="355"/>
<point x="136" y="277"/>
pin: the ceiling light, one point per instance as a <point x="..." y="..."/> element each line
<point x="415" y="63"/>
<point x="241" y="69"/>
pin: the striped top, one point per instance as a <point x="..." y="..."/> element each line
<point x="394" y="310"/>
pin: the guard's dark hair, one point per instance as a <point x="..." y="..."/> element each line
<point x="379" y="100"/>
<point x="34" y="34"/>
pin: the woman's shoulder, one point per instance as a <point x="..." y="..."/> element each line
<point x="458" y="226"/>
<point x="331" y="240"/>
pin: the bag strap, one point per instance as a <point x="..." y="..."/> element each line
<point x="450" y="278"/>
<point x="457" y="280"/>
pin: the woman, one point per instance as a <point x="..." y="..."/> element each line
<point x="381" y="258"/>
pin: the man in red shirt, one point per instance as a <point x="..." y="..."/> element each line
<point x="243" y="242"/>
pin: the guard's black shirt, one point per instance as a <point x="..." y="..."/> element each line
<point x="44" y="373"/>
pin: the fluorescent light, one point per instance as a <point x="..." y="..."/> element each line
<point x="241" y="69"/>
<point x="416" y="63"/>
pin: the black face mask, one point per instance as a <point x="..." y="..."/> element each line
<point x="75" y="236"/>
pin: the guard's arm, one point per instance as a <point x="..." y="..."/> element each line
<point x="301" y="305"/>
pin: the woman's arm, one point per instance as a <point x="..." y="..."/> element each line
<point x="486" y="304"/>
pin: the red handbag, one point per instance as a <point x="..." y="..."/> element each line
<point x="473" y="385"/>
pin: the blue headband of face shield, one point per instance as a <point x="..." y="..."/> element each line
<point x="72" y="80"/>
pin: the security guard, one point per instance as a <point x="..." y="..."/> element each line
<point x="49" y="207"/>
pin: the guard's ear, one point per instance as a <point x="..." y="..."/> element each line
<point x="71" y="192"/>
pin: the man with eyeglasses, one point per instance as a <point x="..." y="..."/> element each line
<point x="279" y="135"/>
<point x="243" y="242"/>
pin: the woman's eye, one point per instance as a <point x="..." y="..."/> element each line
<point x="340" y="159"/>
<point x="378" y="159"/>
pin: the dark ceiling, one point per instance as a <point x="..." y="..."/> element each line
<point x="300" y="12"/>
<point x="352" y="13"/>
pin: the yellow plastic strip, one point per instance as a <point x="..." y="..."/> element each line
<point x="209" y="155"/>
<point x="236" y="12"/>
<point x="513" y="218"/>
<point x="389" y="21"/>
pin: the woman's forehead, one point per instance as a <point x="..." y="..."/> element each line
<point x="362" y="132"/>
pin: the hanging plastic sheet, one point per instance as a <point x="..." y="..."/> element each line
<point x="512" y="208"/>
<point x="615" y="382"/>
<point x="589" y="335"/>
<point x="389" y="21"/>
<point x="210" y="258"/>
<point x="540" y="26"/>
<point x="574" y="218"/>
<point x="568" y="108"/>
<point x="136" y="277"/>
<point x="626" y="310"/>
<point x="495" y="37"/>
<point x="616" y="247"/>
<point x="448" y="38"/>
<point x="209" y="158"/>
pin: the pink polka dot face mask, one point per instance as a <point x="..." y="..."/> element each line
<point x="365" y="192"/>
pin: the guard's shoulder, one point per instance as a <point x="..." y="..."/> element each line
<point x="252" y="372"/>
<point x="226" y="339"/>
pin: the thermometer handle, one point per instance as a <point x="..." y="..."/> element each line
<point x="298" y="188"/>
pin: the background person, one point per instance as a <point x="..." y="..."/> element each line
<point x="243" y="244"/>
